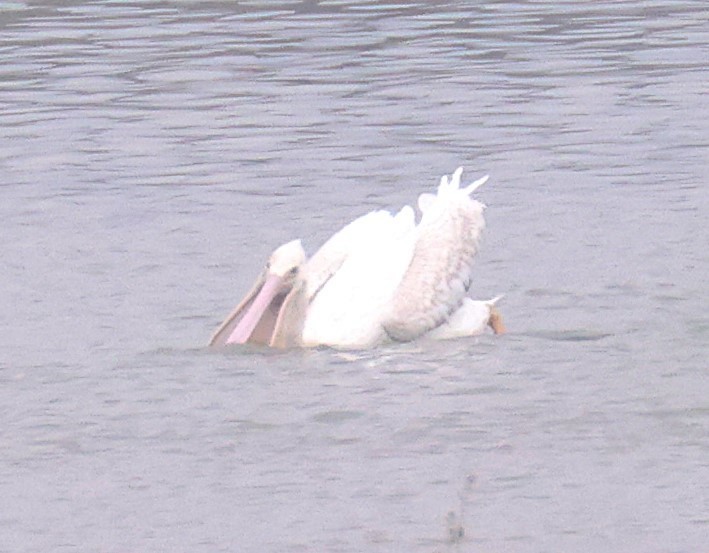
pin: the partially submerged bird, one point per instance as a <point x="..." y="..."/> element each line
<point x="381" y="278"/>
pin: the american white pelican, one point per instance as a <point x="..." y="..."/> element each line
<point x="382" y="277"/>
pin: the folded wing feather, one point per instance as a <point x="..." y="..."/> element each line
<point x="438" y="277"/>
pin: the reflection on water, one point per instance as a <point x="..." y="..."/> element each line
<point x="153" y="154"/>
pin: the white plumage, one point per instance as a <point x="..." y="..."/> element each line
<point x="381" y="277"/>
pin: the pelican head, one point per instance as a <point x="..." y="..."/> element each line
<point x="273" y="311"/>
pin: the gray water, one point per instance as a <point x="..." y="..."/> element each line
<point x="152" y="154"/>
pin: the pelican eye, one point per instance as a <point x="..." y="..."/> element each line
<point x="268" y="265"/>
<point x="293" y="271"/>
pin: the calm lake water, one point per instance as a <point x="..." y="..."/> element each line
<point x="152" y="154"/>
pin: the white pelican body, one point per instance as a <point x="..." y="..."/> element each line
<point x="382" y="277"/>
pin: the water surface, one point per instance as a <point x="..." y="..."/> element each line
<point x="152" y="154"/>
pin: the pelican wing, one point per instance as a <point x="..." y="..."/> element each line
<point x="438" y="277"/>
<point x="354" y="276"/>
<point x="333" y="253"/>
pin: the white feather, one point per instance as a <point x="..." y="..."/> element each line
<point x="470" y="319"/>
<point x="347" y="310"/>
